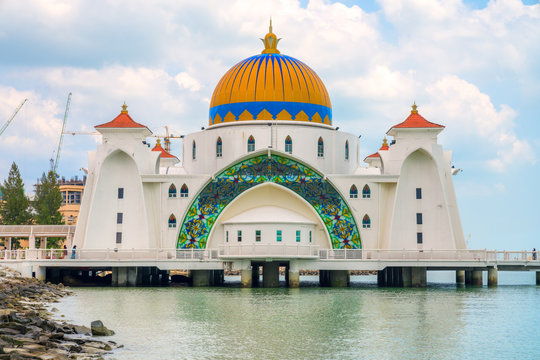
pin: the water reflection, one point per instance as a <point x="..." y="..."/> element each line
<point x="441" y="322"/>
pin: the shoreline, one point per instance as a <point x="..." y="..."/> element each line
<point x="27" y="327"/>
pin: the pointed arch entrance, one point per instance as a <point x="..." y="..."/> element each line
<point x="241" y="176"/>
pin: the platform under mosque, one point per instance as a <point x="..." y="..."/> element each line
<point x="157" y="267"/>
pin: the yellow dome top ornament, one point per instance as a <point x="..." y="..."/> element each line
<point x="270" y="42"/>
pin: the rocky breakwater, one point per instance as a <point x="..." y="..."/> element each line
<point x="28" y="331"/>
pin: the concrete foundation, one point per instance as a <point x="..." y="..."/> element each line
<point x="40" y="272"/>
<point x="418" y="277"/>
<point x="492" y="277"/>
<point x="324" y="277"/>
<point x="294" y="278"/>
<point x="202" y="278"/>
<point x="255" y="276"/>
<point x="246" y="278"/>
<point x="339" y="278"/>
<point x="271" y="274"/>
<point x="406" y="276"/>
<point x="477" y="278"/>
<point x="460" y="277"/>
<point x="468" y="277"/>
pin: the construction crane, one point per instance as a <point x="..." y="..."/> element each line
<point x="55" y="166"/>
<point x="12" y="117"/>
<point x="68" y="132"/>
<point x="167" y="139"/>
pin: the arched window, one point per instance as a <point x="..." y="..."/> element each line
<point x="347" y="150"/>
<point x="219" y="147"/>
<point x="194" y="150"/>
<point x="251" y="144"/>
<point x="172" y="221"/>
<point x="354" y="192"/>
<point x="320" y="148"/>
<point x="366" y="222"/>
<point x="288" y="145"/>
<point x="172" y="191"/>
<point x="184" y="191"/>
<point x="366" y="192"/>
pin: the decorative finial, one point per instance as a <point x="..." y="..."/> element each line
<point x="385" y="142"/>
<point x="414" y="107"/>
<point x="158" y="142"/>
<point x="124" y="108"/>
<point x="270" y="41"/>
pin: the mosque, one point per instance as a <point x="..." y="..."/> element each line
<point x="271" y="172"/>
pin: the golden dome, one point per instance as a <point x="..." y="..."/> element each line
<point x="270" y="86"/>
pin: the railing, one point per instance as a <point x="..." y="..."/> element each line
<point x="261" y="250"/>
<point x="267" y="250"/>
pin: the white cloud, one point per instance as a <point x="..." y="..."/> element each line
<point x="468" y="113"/>
<point x="185" y="81"/>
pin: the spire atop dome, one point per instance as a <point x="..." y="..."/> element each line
<point x="270" y="42"/>
<point x="384" y="145"/>
<point x="414" y="108"/>
<point x="124" y="108"/>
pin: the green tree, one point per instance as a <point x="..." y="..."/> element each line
<point x="15" y="208"/>
<point x="48" y="200"/>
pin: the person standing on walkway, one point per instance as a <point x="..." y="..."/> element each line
<point x="534" y="254"/>
<point x="73" y="250"/>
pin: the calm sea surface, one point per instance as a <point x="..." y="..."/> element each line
<point x="360" y="322"/>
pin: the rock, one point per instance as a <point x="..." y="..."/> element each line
<point x="98" y="329"/>
<point x="82" y="330"/>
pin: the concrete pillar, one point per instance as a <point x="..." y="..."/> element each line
<point x="492" y="277"/>
<point x="271" y="274"/>
<point x="477" y="278"/>
<point x="324" y="277"/>
<point x="255" y="275"/>
<point x="538" y="278"/>
<point x="32" y="242"/>
<point x="26" y="270"/>
<point x="218" y="277"/>
<point x="460" y="277"/>
<point x="119" y="276"/>
<point x="468" y="277"/>
<point x="339" y="278"/>
<point x="406" y="276"/>
<point x="200" y="278"/>
<point x="41" y="272"/>
<point x="418" y="277"/>
<point x="246" y="278"/>
<point x="381" y="277"/>
<point x="293" y="275"/>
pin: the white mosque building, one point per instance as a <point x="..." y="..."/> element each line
<point x="270" y="171"/>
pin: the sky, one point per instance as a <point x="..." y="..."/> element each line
<point x="472" y="66"/>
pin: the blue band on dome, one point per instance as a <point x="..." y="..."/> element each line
<point x="273" y="107"/>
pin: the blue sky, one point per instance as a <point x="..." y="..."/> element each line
<point x="470" y="65"/>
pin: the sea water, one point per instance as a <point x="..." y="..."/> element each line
<point x="442" y="321"/>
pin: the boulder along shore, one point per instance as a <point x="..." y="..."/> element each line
<point x="27" y="330"/>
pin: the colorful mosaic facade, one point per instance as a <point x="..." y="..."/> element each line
<point x="310" y="185"/>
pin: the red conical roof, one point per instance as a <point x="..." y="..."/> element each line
<point x="121" y="121"/>
<point x="164" y="153"/>
<point x="415" y="120"/>
<point x="384" y="147"/>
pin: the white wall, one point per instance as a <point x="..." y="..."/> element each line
<point x="304" y="137"/>
<point x="268" y="234"/>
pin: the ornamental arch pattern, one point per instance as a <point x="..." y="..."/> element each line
<point x="304" y="181"/>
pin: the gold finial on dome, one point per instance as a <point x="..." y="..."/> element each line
<point x="270" y="42"/>
<point x="414" y="108"/>
<point x="124" y="108"/>
<point x="158" y="142"/>
<point x="385" y="142"/>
